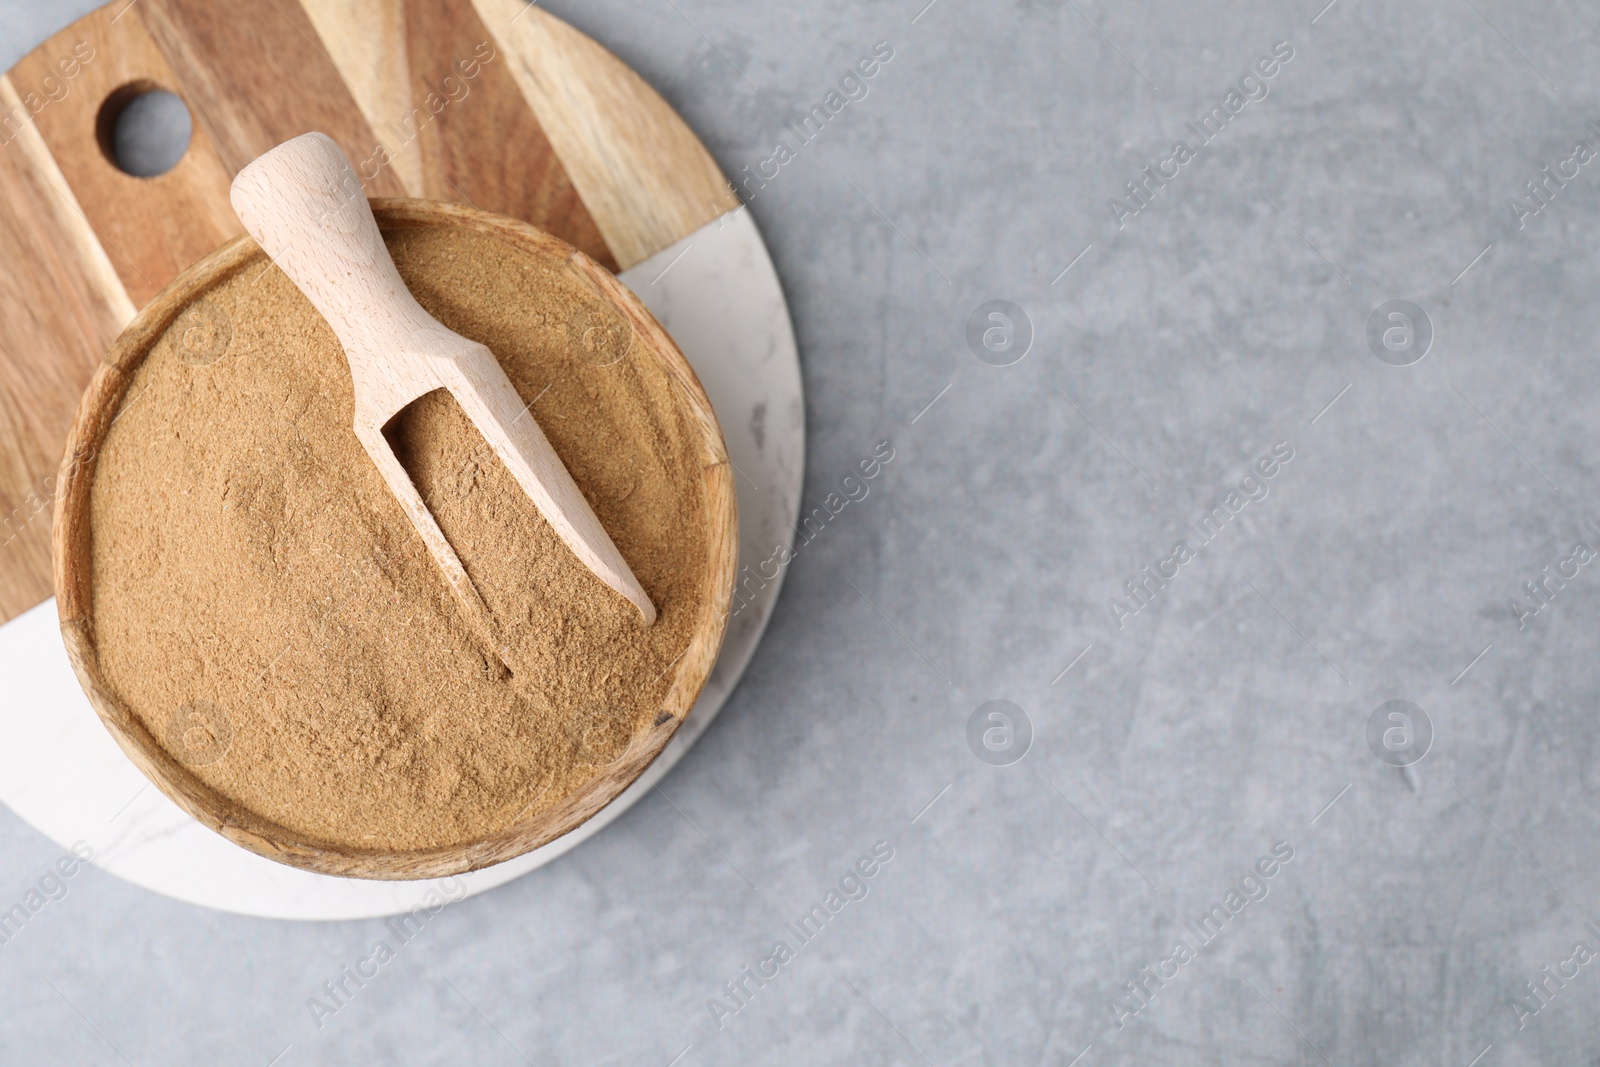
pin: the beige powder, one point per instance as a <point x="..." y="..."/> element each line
<point x="262" y="604"/>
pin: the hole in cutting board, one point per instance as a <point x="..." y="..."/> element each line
<point x="143" y="129"/>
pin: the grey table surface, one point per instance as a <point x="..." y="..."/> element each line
<point x="1227" y="718"/>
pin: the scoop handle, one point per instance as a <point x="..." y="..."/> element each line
<point x="304" y="205"/>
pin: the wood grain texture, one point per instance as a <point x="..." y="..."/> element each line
<point x="524" y="179"/>
<point x="73" y="552"/>
<point x="60" y="216"/>
<point x="83" y="244"/>
<point x="151" y="228"/>
<point x="255" y="74"/>
<point x="61" y="304"/>
<point x="367" y="41"/>
<point x="449" y="94"/>
<point x="647" y="179"/>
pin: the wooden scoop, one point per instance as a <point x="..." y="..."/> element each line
<point x="304" y="205"/>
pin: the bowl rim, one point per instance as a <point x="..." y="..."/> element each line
<point x="72" y="541"/>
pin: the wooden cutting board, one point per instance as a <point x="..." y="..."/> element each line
<point x="490" y="102"/>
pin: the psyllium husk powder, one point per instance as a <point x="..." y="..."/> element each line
<point x="263" y="605"/>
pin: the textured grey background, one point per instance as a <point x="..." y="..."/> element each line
<point x="1222" y="719"/>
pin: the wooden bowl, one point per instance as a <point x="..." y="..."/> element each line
<point x="74" y="534"/>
